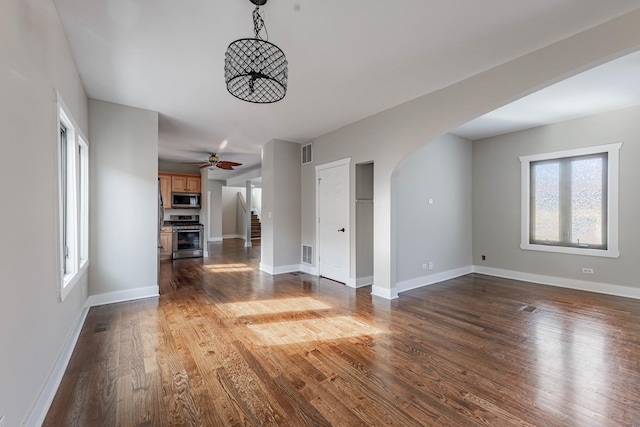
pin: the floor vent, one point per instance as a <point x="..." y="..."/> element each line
<point x="306" y="154"/>
<point x="101" y="327"/>
<point x="529" y="308"/>
<point x="307" y="254"/>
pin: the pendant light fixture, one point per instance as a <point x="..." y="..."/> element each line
<point x="255" y="70"/>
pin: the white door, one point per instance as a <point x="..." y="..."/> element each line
<point x="333" y="222"/>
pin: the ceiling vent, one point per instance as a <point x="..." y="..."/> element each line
<point x="307" y="254"/>
<point x="306" y="154"/>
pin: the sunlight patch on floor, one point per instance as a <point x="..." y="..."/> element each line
<point x="300" y="331"/>
<point x="227" y="268"/>
<point x="272" y="306"/>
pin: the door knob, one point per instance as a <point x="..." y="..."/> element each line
<point x="342" y="229"/>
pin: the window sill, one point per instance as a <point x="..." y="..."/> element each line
<point x="608" y="253"/>
<point x="69" y="281"/>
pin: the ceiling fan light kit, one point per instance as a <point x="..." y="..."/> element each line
<point x="255" y="70"/>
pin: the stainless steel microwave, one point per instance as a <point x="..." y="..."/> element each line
<point x="185" y="200"/>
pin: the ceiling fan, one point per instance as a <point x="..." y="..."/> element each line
<point x="215" y="161"/>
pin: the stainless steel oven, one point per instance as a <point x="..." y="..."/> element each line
<point x="188" y="236"/>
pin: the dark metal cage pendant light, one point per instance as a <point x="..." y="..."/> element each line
<point x="255" y="70"/>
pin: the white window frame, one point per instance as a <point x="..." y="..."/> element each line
<point x="613" y="151"/>
<point x="74" y="259"/>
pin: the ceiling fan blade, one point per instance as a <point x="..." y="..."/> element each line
<point x="225" y="166"/>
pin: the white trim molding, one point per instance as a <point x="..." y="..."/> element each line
<point x="269" y="269"/>
<point x="215" y="239"/>
<point x="233" y="236"/>
<point x="309" y="269"/>
<point x="122" y="296"/>
<point x="382" y="292"/>
<point x="359" y="282"/>
<point x="42" y="405"/>
<point x="560" y="282"/>
<point x="431" y="279"/>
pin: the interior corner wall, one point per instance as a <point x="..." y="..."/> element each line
<point x="364" y="220"/>
<point x="124" y="198"/>
<point x="496" y="198"/>
<point x="35" y="325"/>
<point x="437" y="232"/>
<point x="280" y="245"/>
<point x="232" y="219"/>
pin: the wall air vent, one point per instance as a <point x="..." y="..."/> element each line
<point x="307" y="254"/>
<point x="306" y="154"/>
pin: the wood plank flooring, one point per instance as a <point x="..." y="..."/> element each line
<point x="226" y="345"/>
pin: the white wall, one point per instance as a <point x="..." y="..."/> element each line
<point x="496" y="198"/>
<point x="35" y="59"/>
<point x="438" y="232"/>
<point x="123" y="202"/>
<point x="392" y="135"/>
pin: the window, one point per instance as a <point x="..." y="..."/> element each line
<point x="570" y="201"/>
<point x="73" y="191"/>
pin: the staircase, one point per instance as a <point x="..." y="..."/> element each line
<point x="256" y="232"/>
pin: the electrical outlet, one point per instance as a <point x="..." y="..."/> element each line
<point x="424" y="266"/>
<point x="484" y="258"/>
<point x="587" y="270"/>
<point x="430" y="265"/>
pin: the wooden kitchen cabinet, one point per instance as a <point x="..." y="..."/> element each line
<point x="185" y="183"/>
<point x="165" y="189"/>
<point x="166" y="242"/>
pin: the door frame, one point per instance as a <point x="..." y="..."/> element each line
<point x="342" y="162"/>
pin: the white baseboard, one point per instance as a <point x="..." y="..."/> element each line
<point x="431" y="279"/>
<point x="386" y="293"/>
<point x="359" y="282"/>
<point x="121" y="296"/>
<point x="581" y="285"/>
<point x="233" y="236"/>
<point x="309" y="269"/>
<point x="42" y="405"/>
<point x="205" y="254"/>
<point x="215" y="239"/>
<point x="279" y="269"/>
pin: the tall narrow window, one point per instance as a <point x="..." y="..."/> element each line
<point x="73" y="193"/>
<point x="570" y="201"/>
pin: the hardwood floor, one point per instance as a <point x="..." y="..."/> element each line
<point x="226" y="345"/>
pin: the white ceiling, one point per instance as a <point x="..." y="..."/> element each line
<point x="347" y="59"/>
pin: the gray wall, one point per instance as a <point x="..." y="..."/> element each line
<point x="175" y="167"/>
<point x="438" y="232"/>
<point x="123" y="201"/>
<point x="34" y="324"/>
<point x="280" y="245"/>
<point x="364" y="220"/>
<point x="496" y="198"/>
<point x="232" y="219"/>
<point x="215" y="206"/>
<point x="393" y="135"/>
